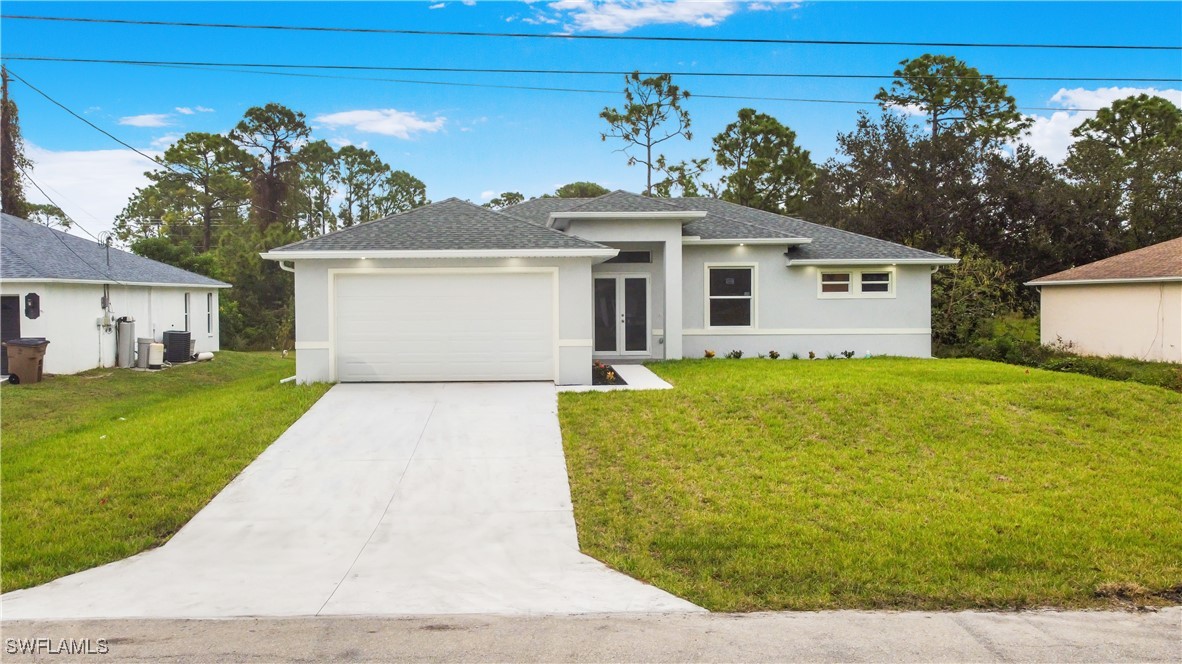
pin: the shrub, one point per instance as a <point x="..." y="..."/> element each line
<point x="847" y="354"/>
<point x="812" y="355"/>
<point x="796" y="356"/>
<point x="709" y="354"/>
<point x="773" y="354"/>
<point x="734" y="355"/>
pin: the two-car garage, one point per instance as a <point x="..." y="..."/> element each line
<point x="444" y="325"/>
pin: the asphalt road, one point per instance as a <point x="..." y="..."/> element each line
<point x="837" y="636"/>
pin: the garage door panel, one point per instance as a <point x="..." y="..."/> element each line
<point x="432" y="326"/>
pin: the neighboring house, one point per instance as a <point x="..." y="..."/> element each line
<point x="453" y="291"/>
<point x="71" y="290"/>
<point x="1128" y="305"/>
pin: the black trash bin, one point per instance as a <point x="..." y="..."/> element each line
<point x="26" y="359"/>
<point x="176" y="346"/>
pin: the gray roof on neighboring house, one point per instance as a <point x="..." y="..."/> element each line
<point x="32" y="251"/>
<point x="451" y="224"/>
<point x="729" y="221"/>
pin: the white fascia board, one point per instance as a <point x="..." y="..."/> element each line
<point x="673" y="215"/>
<point x="873" y="261"/>
<point x="109" y="282"/>
<point x="1084" y="282"/>
<point x="440" y="253"/>
<point x="750" y="240"/>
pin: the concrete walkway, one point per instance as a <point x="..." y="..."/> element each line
<point x="385" y="499"/>
<point x="830" y="636"/>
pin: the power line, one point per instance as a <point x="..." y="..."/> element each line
<point x="613" y="38"/>
<point x="570" y="72"/>
<point x="54" y="203"/>
<point x="535" y="88"/>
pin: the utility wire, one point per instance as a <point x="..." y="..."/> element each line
<point x="571" y="72"/>
<point x="612" y="38"/>
<point x="261" y="72"/>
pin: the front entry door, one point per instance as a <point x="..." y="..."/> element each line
<point x="621" y="315"/>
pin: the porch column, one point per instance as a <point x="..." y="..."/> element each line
<point x="673" y="292"/>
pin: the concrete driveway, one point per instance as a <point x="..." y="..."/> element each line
<point x="383" y="499"/>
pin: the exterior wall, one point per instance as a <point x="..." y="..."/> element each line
<point x="790" y="317"/>
<point x="314" y="290"/>
<point x="70" y="313"/>
<point x="1141" y="321"/>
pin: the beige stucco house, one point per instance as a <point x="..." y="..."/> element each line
<point x="1128" y="305"/>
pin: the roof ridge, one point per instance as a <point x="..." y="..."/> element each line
<point x="522" y="221"/>
<point x="653" y="199"/>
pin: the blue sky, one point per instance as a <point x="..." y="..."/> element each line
<point x="473" y="142"/>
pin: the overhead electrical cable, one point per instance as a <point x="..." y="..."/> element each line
<point x="561" y="36"/>
<point x="571" y="72"/>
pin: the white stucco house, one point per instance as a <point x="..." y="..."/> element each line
<point x="1129" y="305"/>
<point x="71" y="290"/>
<point x="537" y="291"/>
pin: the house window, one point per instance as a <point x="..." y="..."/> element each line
<point x="876" y="282"/>
<point x="186" y="312"/>
<point x="632" y="257"/>
<point x="856" y="284"/>
<point x="209" y="313"/>
<point x="730" y="296"/>
<point x="835" y="282"/>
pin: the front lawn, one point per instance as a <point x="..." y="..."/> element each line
<point x="882" y="483"/>
<point x="102" y="465"/>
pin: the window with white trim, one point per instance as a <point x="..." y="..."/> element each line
<point x="209" y="313"/>
<point x="869" y="283"/>
<point x="187" y="312"/>
<point x="730" y="297"/>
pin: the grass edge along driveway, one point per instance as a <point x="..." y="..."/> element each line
<point x="105" y="464"/>
<point x="882" y="483"/>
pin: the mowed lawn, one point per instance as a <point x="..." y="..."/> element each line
<point x="99" y="466"/>
<point x="882" y="483"/>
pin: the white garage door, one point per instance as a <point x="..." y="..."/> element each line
<point x="429" y="326"/>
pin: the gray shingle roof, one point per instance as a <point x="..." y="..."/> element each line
<point x="451" y="224"/>
<point x="623" y="201"/>
<point x="33" y="251"/>
<point x="728" y="221"/>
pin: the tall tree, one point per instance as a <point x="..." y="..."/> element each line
<point x="400" y="192"/>
<point x="12" y="155"/>
<point x="580" y="190"/>
<point x="505" y="200"/>
<point x="682" y="178"/>
<point x="763" y="166"/>
<point x="318" y="182"/>
<point x="1128" y="161"/>
<point x="955" y="97"/>
<point x="50" y="215"/>
<point x="360" y="172"/>
<point x="652" y="114"/>
<point x="272" y="134"/>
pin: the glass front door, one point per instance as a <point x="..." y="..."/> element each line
<point x="621" y="315"/>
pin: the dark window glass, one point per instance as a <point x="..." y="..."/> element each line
<point x="605" y="315"/>
<point x="730" y="313"/>
<point x="730" y="282"/>
<point x="876" y="282"/>
<point x="635" y="314"/>
<point x="836" y="282"/>
<point x="632" y="257"/>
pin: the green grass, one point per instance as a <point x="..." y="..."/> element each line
<point x="99" y="466"/>
<point x="883" y="483"/>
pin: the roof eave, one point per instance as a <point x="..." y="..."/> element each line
<point x="363" y="254"/>
<point x="779" y="241"/>
<point x="685" y="217"/>
<point x="1083" y="282"/>
<point x="111" y="282"/>
<point x="939" y="260"/>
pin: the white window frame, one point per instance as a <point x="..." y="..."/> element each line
<point x="209" y="313"/>
<point x="855" y="292"/>
<point x="754" y="297"/>
<point x="188" y="310"/>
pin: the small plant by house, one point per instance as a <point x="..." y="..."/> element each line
<point x="812" y="355"/>
<point x="830" y="356"/>
<point x="605" y="374"/>
<point x="795" y="356"/>
<point x="735" y="355"/>
<point x="773" y="354"/>
<point x="847" y="354"/>
<point x="709" y="355"/>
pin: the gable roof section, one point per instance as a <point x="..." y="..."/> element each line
<point x="624" y="201"/>
<point x="1158" y="262"/>
<point x="33" y="252"/>
<point x="449" y="225"/>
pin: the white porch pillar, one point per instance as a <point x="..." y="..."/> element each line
<point x="673" y="291"/>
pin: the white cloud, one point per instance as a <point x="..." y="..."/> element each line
<point x="146" y="120"/>
<point x="185" y="110"/>
<point x="487" y="194"/>
<point x="598" y="16"/>
<point x="469" y="3"/>
<point x="438" y="5"/>
<point x="92" y="186"/>
<point x="203" y="109"/>
<point x="384" y="121"/>
<point x="163" y="142"/>
<point x="1051" y="136"/>
<point x="341" y="141"/>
